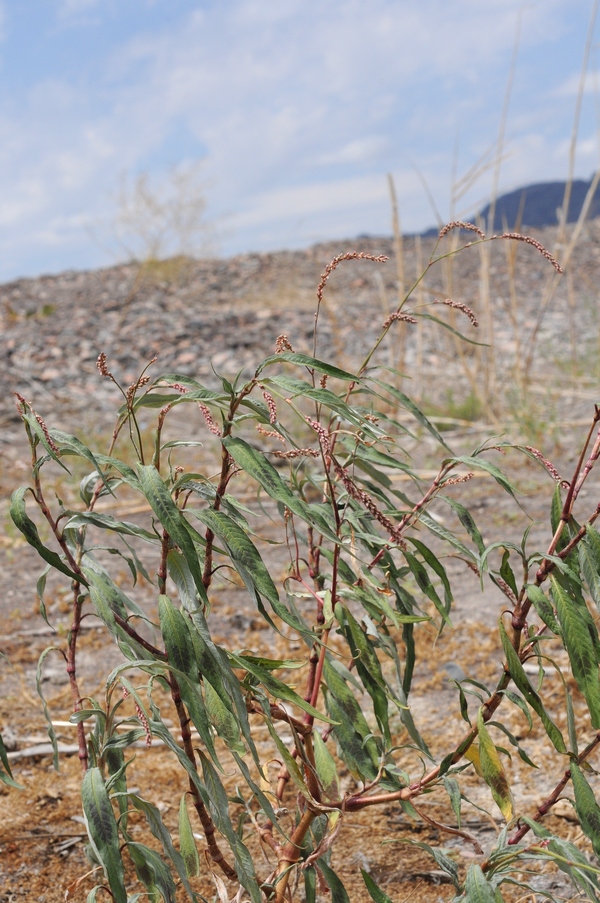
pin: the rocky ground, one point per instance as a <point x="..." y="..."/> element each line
<point x="225" y="315"/>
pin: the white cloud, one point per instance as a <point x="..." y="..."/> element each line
<point x="301" y="109"/>
<point x="360" y="150"/>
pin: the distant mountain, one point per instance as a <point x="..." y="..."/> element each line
<point x="537" y="205"/>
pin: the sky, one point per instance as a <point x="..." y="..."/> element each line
<point x="283" y="116"/>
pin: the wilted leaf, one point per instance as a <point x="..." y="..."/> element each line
<point x="493" y="770"/>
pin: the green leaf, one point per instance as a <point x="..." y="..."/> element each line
<point x="158" y="829"/>
<point x="478" y="888"/>
<point x="36" y="428"/>
<point x="276" y="687"/>
<point x="356" y="745"/>
<point x="506" y="572"/>
<point x="47" y="713"/>
<point x="181" y="576"/>
<point x="152" y="872"/>
<point x="338" y="891"/>
<point x="580" y="648"/>
<point x="106" y="522"/>
<point x="172" y="520"/>
<point x="468" y="522"/>
<point x="293" y="357"/>
<point x="426" y="586"/>
<point x="445" y="863"/>
<point x="453" y="791"/>
<point x="5" y="772"/>
<point x="187" y="844"/>
<point x="588" y="551"/>
<point x="183" y="664"/>
<point x="439" y="530"/>
<point x="544" y="608"/>
<point x="220" y="813"/>
<point x="586" y="807"/>
<point x="102" y="829"/>
<point x="30" y="532"/>
<point x="409" y="405"/>
<point x="375" y="892"/>
<point x="521" y="680"/>
<point x="481" y="464"/>
<point x="436" y="566"/>
<point x="178" y="643"/>
<point x="493" y="770"/>
<point x="556" y="510"/>
<point x="248" y="563"/>
<point x="222" y="719"/>
<point x="72" y="445"/>
<point x="127" y="472"/>
<point x="367" y="666"/>
<point x="327" y="770"/>
<point x="256" y="465"/>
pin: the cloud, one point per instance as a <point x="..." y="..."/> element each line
<point x="360" y="150"/>
<point x="300" y="111"/>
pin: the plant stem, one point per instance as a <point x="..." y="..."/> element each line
<point x="203" y="814"/>
<point x="72" y="672"/>
<point x="290" y="855"/>
<point x="552" y="799"/>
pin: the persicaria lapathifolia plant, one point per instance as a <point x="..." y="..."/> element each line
<point x="321" y="445"/>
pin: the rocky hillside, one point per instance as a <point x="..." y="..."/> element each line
<point x="227" y="313"/>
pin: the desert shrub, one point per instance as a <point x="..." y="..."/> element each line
<point x="321" y="446"/>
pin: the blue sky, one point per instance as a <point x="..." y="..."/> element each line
<point x="297" y="111"/>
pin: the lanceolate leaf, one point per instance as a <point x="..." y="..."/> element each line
<point x="589" y="561"/>
<point x="257" y="466"/>
<point x="586" y="807"/>
<point x="409" y="405"/>
<point x="72" y="445"/>
<point x="334" y="883"/>
<point x="312" y="363"/>
<point x="580" y="647"/>
<point x="276" y="687"/>
<point x="181" y="576"/>
<point x="187" y="844"/>
<point x="222" y="720"/>
<point x="176" y="634"/>
<point x="5" y="772"/>
<point x="248" y="563"/>
<point x="544" y="608"/>
<point x="368" y="667"/>
<point x="327" y="770"/>
<point x="481" y="464"/>
<point x="182" y="662"/>
<point x="102" y="829"/>
<point x="158" y="829"/>
<point x="468" y="522"/>
<point x="220" y="812"/>
<point x="30" y="532"/>
<point x="493" y="770"/>
<point x="152" y="872"/>
<point x="351" y="731"/>
<point x="106" y="522"/>
<point x="374" y="890"/>
<point x="439" y="530"/>
<point x="172" y="520"/>
<point x="478" y="888"/>
<point x="47" y="713"/>
<point x="521" y="680"/>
